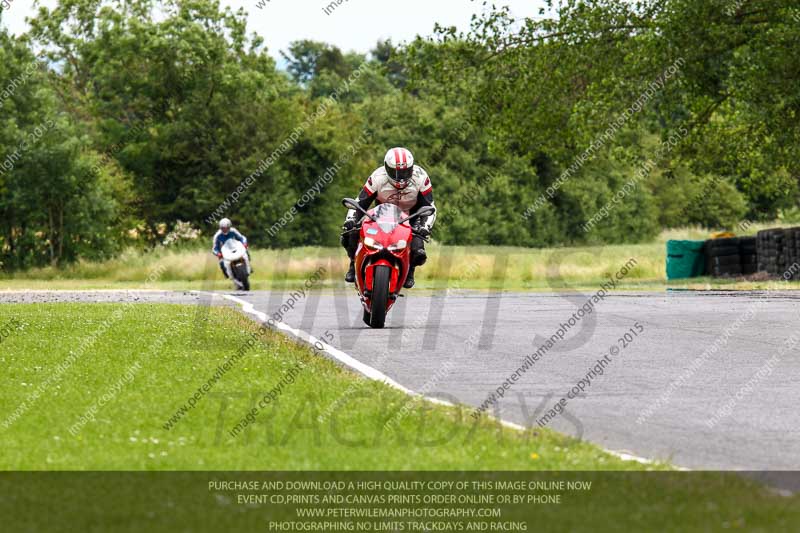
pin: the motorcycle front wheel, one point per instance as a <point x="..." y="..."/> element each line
<point x="380" y="295"/>
<point x="242" y="276"/>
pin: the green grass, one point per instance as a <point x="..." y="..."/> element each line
<point x="179" y="347"/>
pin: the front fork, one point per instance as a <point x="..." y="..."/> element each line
<point x="369" y="279"/>
<point x="228" y="268"/>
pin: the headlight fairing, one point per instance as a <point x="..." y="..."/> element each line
<point x="370" y="243"/>
<point x="400" y="245"/>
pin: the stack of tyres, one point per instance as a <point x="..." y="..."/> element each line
<point x="761" y="246"/>
<point x="748" y="252"/>
<point x="722" y="257"/>
<point x="791" y="252"/>
<point x="771" y="258"/>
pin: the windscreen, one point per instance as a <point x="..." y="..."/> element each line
<point x="388" y="216"/>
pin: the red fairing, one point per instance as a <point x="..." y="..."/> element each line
<point x="383" y="243"/>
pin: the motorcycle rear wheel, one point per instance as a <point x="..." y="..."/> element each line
<point x="380" y="296"/>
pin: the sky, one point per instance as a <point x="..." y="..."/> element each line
<point x="355" y="25"/>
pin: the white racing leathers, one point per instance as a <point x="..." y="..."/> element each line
<point x="417" y="193"/>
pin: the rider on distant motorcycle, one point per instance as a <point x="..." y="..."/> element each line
<point x="227" y="231"/>
<point x="405" y="185"/>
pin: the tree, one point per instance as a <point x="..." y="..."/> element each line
<point x="185" y="101"/>
<point x="52" y="209"/>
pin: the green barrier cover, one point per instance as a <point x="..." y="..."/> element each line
<point x="685" y="259"/>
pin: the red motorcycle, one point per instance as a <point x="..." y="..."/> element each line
<point x="383" y="257"/>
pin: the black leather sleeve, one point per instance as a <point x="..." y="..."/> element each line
<point x="365" y="199"/>
<point x="422" y="201"/>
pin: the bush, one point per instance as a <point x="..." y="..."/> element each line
<point x="716" y="205"/>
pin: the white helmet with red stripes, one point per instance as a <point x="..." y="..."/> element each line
<point x="399" y="164"/>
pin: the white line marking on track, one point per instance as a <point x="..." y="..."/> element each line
<point x="342" y="357"/>
<point x="377" y="375"/>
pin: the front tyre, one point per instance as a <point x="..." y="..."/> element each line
<point x="243" y="277"/>
<point x="380" y="295"/>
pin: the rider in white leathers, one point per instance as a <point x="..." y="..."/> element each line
<point x="399" y="181"/>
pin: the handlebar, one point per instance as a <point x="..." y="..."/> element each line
<point x="352" y="204"/>
<point x="426" y="238"/>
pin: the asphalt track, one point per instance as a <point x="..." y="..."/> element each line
<point x="653" y="400"/>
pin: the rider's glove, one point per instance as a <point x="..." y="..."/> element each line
<point x="219" y="254"/>
<point x="422" y="231"/>
<point x="245" y="246"/>
<point x="349" y="224"/>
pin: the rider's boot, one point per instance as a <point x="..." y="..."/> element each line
<point x="410" y="278"/>
<point x="350" y="277"/>
<point x="224" y="271"/>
